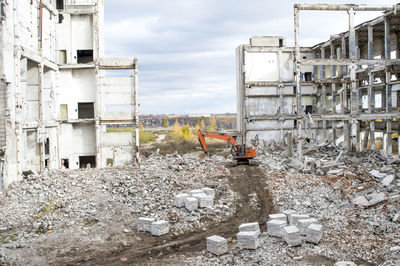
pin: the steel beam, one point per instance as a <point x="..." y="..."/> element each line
<point x="327" y="7"/>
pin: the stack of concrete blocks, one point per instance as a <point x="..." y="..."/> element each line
<point x="247" y="238"/>
<point x="289" y="214"/>
<point x="159" y="228"/>
<point x="217" y="245"/>
<point x="156" y="228"/>
<point x="274" y="227"/>
<point x="291" y="234"/>
<point x="198" y="198"/>
<point x="304" y="223"/>
<point x="314" y="233"/>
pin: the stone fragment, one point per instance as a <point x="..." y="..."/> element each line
<point x="361" y="201"/>
<point x="377" y="174"/>
<point x="295" y="217"/>
<point x="191" y="204"/>
<point x="274" y="227"/>
<point x="159" y="228"/>
<point x="395" y="249"/>
<point x="179" y="200"/>
<point x="195" y="191"/>
<point x="396" y="217"/>
<point x="217" y="245"/>
<point x="249" y="227"/>
<point x="279" y="216"/>
<point x="204" y="200"/>
<point x="304" y="223"/>
<point x="209" y="191"/>
<point x="248" y="240"/>
<point x="291" y="235"/>
<point x="314" y="233"/>
<point x="345" y="263"/>
<point x="335" y="171"/>
<point x="144" y="224"/>
<point x="387" y="180"/>
<point x="377" y="198"/>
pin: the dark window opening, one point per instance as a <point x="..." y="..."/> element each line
<point x="2" y="12"/>
<point x="309" y="109"/>
<point x="85" y="56"/>
<point x="60" y="4"/>
<point x="110" y="162"/>
<point x="307" y="76"/>
<point x="65" y="163"/>
<point x="87" y="162"/>
<point x="60" y="18"/>
<point x="398" y="99"/>
<point x="47" y="147"/>
<point x="46" y="163"/>
<point x="85" y="110"/>
<point x="280" y="42"/>
<point x="295" y="124"/>
<point x="294" y="90"/>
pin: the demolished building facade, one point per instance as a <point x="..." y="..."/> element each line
<point x="62" y="103"/>
<point x="344" y="91"/>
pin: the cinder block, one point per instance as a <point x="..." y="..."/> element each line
<point x="217" y="245"/>
<point x="295" y="217"/>
<point x="195" y="191"/>
<point x="314" y="233"/>
<point x="289" y="214"/>
<point x="204" y="200"/>
<point x="304" y="223"/>
<point x="191" y="204"/>
<point x="144" y="224"/>
<point x="249" y="227"/>
<point x="209" y="191"/>
<point x="159" y="228"/>
<point x="248" y="240"/>
<point x="291" y="235"/>
<point x="274" y="227"/>
<point x="279" y="216"/>
<point x="179" y="200"/>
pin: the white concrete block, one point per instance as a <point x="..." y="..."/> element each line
<point x="209" y="191"/>
<point x="248" y="240"/>
<point x="295" y="217"/>
<point x="274" y="227"/>
<point x="191" y="204"/>
<point x="217" y="245"/>
<point x="204" y="200"/>
<point x="387" y="180"/>
<point x="304" y="223"/>
<point x="289" y="214"/>
<point x="179" y="200"/>
<point x="159" y="228"/>
<point x="249" y="227"/>
<point x="144" y="224"/>
<point x="314" y="233"/>
<point x="279" y="216"/>
<point x="292" y="235"/>
<point x="195" y="191"/>
<point x="345" y="263"/>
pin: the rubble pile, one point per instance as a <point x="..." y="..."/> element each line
<point x="51" y="203"/>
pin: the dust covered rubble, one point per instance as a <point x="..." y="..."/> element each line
<point x="45" y="205"/>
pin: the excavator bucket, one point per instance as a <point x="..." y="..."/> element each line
<point x="202" y="140"/>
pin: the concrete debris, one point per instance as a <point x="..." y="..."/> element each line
<point x="396" y="217"/>
<point x="179" y="200"/>
<point x="195" y="191"/>
<point x="304" y="223"/>
<point x="204" y="200"/>
<point x="292" y="236"/>
<point x="361" y="201"/>
<point x="209" y="191"/>
<point x="289" y="214"/>
<point x="217" y="245"/>
<point x="248" y="240"/>
<point x="296" y="217"/>
<point x="279" y="216"/>
<point x="387" y="180"/>
<point x="395" y="249"/>
<point x="191" y="204"/>
<point x="314" y="233"/>
<point x="144" y="224"/>
<point x="250" y="227"/>
<point x="377" y="174"/>
<point x="377" y="198"/>
<point x="274" y="227"/>
<point x="159" y="228"/>
<point x="345" y="263"/>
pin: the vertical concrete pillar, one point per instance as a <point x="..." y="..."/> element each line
<point x="299" y="140"/>
<point x="353" y="55"/>
<point x="333" y="56"/>
<point x="387" y="37"/>
<point x="371" y="94"/>
<point x="388" y="147"/>
<point x="323" y="68"/>
<point x="366" y="139"/>
<point x="343" y="53"/>
<point x="334" y="134"/>
<point x="372" y="136"/>
<point x="370" y="42"/>
<point x="388" y="95"/>
<point x="333" y="98"/>
<point x="346" y="135"/>
<point x="357" y="136"/>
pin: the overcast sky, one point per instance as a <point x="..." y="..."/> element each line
<point x="186" y="48"/>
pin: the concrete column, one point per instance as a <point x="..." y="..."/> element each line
<point x="324" y="128"/>
<point x="343" y="54"/>
<point x="323" y="99"/>
<point x="366" y="139"/>
<point x="388" y="96"/>
<point x="333" y="98"/>
<point x="323" y="68"/>
<point x="333" y="56"/>
<point x="334" y="134"/>
<point x="371" y="94"/>
<point x="370" y="42"/>
<point x="299" y="140"/>
<point x="357" y="136"/>
<point x="372" y="135"/>
<point x="387" y="37"/>
<point x="388" y="147"/>
<point x="346" y="135"/>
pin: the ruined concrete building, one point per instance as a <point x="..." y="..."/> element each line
<point x="345" y="91"/>
<point x="61" y="102"/>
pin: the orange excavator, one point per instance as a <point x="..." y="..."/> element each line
<point x="239" y="152"/>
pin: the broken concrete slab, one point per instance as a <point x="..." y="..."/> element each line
<point x="291" y="235"/>
<point x="248" y="240"/>
<point x="204" y="200"/>
<point x="377" y="174"/>
<point x="274" y="227"/>
<point x="144" y="224"/>
<point x="179" y="200"/>
<point x="387" y="180"/>
<point x="250" y="227"/>
<point x="217" y="245"/>
<point x="396" y="217"/>
<point x="209" y="191"/>
<point x="377" y="198"/>
<point x="191" y="204"/>
<point x="314" y="233"/>
<point x="361" y="201"/>
<point x="159" y="228"/>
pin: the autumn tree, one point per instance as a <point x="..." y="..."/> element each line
<point x="202" y="123"/>
<point x="165" y="123"/>
<point x="213" y="124"/>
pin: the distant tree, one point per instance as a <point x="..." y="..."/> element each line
<point x="202" y="123"/>
<point x="165" y="123"/>
<point x="141" y="126"/>
<point x="176" y="130"/>
<point x="187" y="133"/>
<point x="213" y="124"/>
<point x="196" y="122"/>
